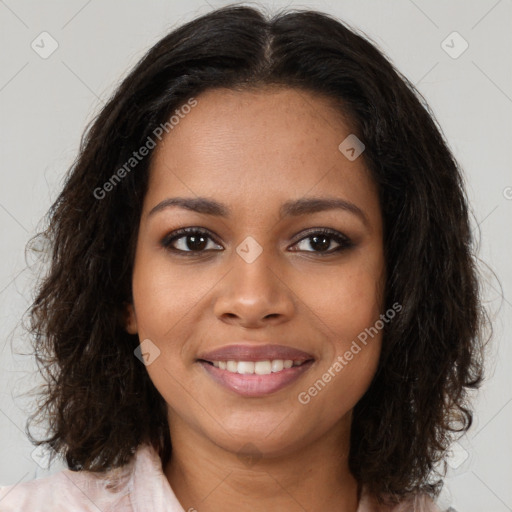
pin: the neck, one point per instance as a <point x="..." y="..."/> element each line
<point x="314" y="477"/>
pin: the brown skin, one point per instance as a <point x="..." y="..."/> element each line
<point x="252" y="151"/>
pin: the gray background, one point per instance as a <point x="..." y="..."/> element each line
<point x="45" y="104"/>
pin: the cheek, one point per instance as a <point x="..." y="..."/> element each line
<point x="351" y="353"/>
<point x="349" y="305"/>
<point x="347" y="301"/>
<point x="166" y="302"/>
<point x="353" y="305"/>
<point x="162" y="296"/>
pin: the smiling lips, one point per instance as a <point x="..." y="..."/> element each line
<point x="255" y="370"/>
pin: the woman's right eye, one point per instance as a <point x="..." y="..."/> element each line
<point x="189" y="241"/>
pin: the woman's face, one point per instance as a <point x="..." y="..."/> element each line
<point x="259" y="286"/>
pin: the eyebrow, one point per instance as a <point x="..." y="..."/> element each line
<point x="290" y="208"/>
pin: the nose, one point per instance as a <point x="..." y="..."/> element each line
<point x="254" y="294"/>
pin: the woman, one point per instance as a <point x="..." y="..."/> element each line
<point x="262" y="292"/>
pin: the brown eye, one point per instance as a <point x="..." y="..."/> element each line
<point x="189" y="240"/>
<point x="320" y="241"/>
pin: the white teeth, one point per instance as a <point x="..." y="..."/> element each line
<point x="263" y="368"/>
<point x="277" y="365"/>
<point x="245" y="367"/>
<point x="258" y="367"/>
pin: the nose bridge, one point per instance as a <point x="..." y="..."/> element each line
<point x="254" y="279"/>
<point x="252" y="266"/>
<point x="253" y="289"/>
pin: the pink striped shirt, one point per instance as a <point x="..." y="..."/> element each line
<point x="140" y="486"/>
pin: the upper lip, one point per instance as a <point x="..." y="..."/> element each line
<point x="246" y="352"/>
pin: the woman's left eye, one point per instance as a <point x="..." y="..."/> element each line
<point x="321" y="239"/>
<point x="194" y="241"/>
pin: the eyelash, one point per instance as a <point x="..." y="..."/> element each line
<point x="343" y="241"/>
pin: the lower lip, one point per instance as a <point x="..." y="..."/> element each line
<point x="252" y="385"/>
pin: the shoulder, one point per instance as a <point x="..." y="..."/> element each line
<point x="139" y="486"/>
<point x="72" y="491"/>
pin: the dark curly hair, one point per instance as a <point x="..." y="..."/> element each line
<point x="98" y="399"/>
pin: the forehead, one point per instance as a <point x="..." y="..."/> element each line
<point x="253" y="146"/>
